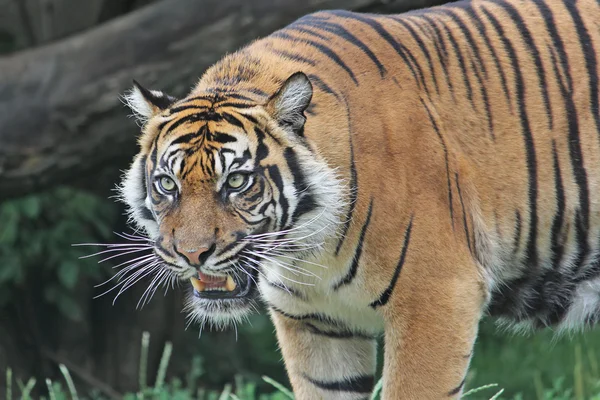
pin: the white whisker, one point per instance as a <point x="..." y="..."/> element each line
<point x="275" y="272"/>
<point x="290" y="267"/>
<point x="122" y="250"/>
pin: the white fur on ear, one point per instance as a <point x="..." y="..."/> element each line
<point x="146" y="103"/>
<point x="290" y="101"/>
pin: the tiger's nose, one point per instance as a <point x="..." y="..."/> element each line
<point x="196" y="256"/>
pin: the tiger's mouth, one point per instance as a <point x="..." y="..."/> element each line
<point x="230" y="286"/>
<point x="221" y="300"/>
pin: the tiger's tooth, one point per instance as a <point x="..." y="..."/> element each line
<point x="230" y="284"/>
<point x="197" y="284"/>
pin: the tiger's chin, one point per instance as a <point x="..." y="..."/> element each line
<point x="221" y="303"/>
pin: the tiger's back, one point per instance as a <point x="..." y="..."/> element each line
<point x="468" y="140"/>
<point x="511" y="91"/>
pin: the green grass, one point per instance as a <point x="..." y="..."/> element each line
<point x="538" y="364"/>
<point x="540" y="367"/>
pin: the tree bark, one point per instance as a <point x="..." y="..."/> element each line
<point x="60" y="114"/>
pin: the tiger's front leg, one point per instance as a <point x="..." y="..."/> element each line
<point x="431" y="324"/>
<point x="326" y="362"/>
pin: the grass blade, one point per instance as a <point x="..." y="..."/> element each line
<point x="279" y="386"/>
<point x="144" y="363"/>
<point x="9" y="384"/>
<point x="578" y="374"/>
<point x="69" y="381"/>
<point x="25" y="390"/>
<point x="479" y="389"/>
<point x="497" y="395"/>
<point x="226" y="392"/>
<point x="162" y="367"/>
<point x="51" y="393"/>
<point x="376" y="389"/>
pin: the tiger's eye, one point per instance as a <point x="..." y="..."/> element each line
<point x="236" y="181"/>
<point x="167" y="184"/>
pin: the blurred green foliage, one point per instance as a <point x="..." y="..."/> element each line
<point x="538" y="364"/>
<point x="36" y="237"/>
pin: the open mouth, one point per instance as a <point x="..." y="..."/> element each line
<point x="222" y="287"/>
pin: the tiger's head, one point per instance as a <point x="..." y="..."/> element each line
<point x="229" y="192"/>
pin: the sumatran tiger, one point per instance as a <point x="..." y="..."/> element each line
<point x="396" y="175"/>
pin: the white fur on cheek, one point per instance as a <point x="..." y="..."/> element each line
<point x="133" y="193"/>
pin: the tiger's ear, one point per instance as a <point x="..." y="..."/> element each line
<point x="287" y="106"/>
<point x="146" y="103"/>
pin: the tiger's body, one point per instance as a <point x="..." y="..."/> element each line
<point x="448" y="166"/>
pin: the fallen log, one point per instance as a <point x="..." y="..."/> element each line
<point x="60" y="114"/>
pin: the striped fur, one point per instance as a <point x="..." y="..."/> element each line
<point x="422" y="169"/>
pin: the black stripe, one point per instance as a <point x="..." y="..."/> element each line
<point x="486" y="102"/>
<point x="323" y="49"/>
<point x="577" y="164"/>
<point x="246" y="220"/>
<point x="237" y="96"/>
<point x="307" y="317"/>
<point x="548" y="18"/>
<point x="322" y="85"/>
<point x="259" y="193"/>
<point x="146" y="214"/>
<point x="142" y="172"/>
<point x="517" y="239"/>
<point x="440" y="47"/>
<point x="589" y="53"/>
<point x="237" y="105"/>
<point x="457" y="389"/>
<point x="294" y="57"/>
<point x="484" y="34"/>
<point x="262" y="151"/>
<point x="306" y="204"/>
<point x="337" y="334"/>
<point x="283" y="202"/>
<point x="149" y="174"/>
<point x="296" y="27"/>
<point x="178" y="122"/>
<point x="532" y="255"/>
<point x="232" y="120"/>
<point x="239" y="235"/>
<point x="222" y="137"/>
<point x="421" y="44"/>
<point x="250" y="118"/>
<point x="185" y="138"/>
<point x="358" y="384"/>
<point x="353" y="195"/>
<point x="256" y="91"/>
<point x="443" y="143"/>
<point x="300" y="185"/>
<point x="467" y="34"/>
<point x="357" y="253"/>
<point x="288" y="290"/>
<point x="461" y="64"/>
<point x="187" y="107"/>
<point x="475" y="49"/>
<point x="402" y="51"/>
<point x="464" y="214"/>
<point x="556" y="242"/>
<point x="533" y="50"/>
<point x="387" y="293"/>
<point x="344" y="34"/>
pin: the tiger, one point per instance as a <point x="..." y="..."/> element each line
<point x="384" y="176"/>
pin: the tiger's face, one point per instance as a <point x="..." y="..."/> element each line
<point x="220" y="184"/>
